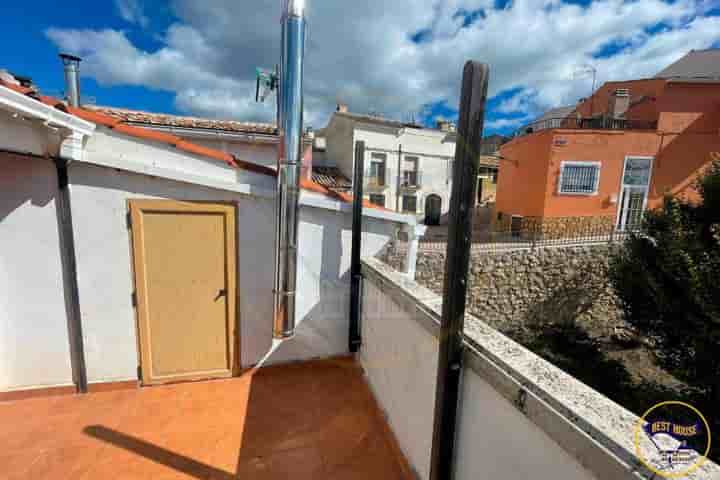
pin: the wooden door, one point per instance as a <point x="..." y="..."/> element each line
<point x="184" y="256"/>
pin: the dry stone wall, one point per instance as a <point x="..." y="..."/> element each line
<point x="518" y="289"/>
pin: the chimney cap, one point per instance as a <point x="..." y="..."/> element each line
<point x="67" y="58"/>
<point x="295" y="8"/>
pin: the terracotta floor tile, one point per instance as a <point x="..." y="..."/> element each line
<point x="302" y="421"/>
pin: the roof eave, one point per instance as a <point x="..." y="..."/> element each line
<point x="27" y="106"/>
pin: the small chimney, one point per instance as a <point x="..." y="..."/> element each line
<point x="342" y="108"/>
<point x="619" y="103"/>
<point x="72" y="78"/>
<point x="445" y="126"/>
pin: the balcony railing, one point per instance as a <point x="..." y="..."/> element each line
<point x="600" y="123"/>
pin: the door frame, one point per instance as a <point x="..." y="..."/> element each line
<point x="135" y="209"/>
<point x="622" y="187"/>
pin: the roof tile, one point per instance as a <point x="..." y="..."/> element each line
<point x="167" y="120"/>
<point x="93" y="117"/>
<point x="100" y="117"/>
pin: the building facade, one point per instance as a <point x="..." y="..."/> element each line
<point x="408" y="168"/>
<point x="131" y="255"/>
<point x="643" y="139"/>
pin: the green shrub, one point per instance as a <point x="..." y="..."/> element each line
<point x="667" y="277"/>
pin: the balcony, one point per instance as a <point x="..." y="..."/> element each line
<point x="596" y="123"/>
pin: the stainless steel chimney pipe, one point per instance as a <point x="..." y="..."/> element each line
<point x="71" y="65"/>
<point x="290" y="130"/>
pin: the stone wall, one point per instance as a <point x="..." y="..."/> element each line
<point x="519" y="289"/>
<point x="552" y="228"/>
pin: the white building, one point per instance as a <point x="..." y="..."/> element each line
<point x="105" y="228"/>
<point x="408" y="168"/>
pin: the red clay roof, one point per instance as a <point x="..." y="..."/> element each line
<point x="165" y="120"/>
<point x="331" y="177"/>
<point x="99" y="117"/>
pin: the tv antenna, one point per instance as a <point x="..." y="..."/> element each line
<point x="266" y="82"/>
<point x="584" y="71"/>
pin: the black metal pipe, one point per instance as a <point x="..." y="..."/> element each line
<point x="465" y="172"/>
<point x="69" y="272"/>
<point x="397" y="180"/>
<point x="355" y="337"/>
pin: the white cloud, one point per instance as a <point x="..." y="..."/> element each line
<point x="132" y="11"/>
<point x="513" y="123"/>
<point x="361" y="53"/>
<point x="519" y="102"/>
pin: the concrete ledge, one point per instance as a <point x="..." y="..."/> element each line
<point x="414" y="298"/>
<point x="596" y="431"/>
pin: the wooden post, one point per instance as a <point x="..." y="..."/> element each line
<point x="465" y="172"/>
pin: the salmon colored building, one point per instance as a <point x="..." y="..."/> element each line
<point x="616" y="155"/>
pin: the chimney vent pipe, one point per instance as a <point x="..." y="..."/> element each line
<point x="71" y="64"/>
<point x="290" y="129"/>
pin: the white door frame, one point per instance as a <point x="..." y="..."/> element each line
<point x="618" y="224"/>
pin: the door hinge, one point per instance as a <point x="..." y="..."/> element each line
<point x="139" y="372"/>
<point x="128" y="220"/>
<point x="133" y="299"/>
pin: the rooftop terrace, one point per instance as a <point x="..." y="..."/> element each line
<point x="302" y="421"/>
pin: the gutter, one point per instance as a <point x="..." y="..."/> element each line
<point x="18" y="103"/>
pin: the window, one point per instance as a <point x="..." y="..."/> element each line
<point x="409" y="204"/>
<point x="488" y="172"/>
<point x="579" y="178"/>
<point x="410" y="172"/>
<point x="376" y="174"/>
<point x="410" y="178"/>
<point x="376" y="199"/>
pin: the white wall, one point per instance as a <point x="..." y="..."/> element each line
<point x="433" y="150"/>
<point x="323" y="296"/>
<point x="400" y="360"/>
<point x="495" y="440"/>
<point x="400" y="355"/>
<point x="107" y="147"/>
<point x="100" y="197"/>
<point x="260" y="153"/>
<point x="34" y="348"/>
<point x="103" y="249"/>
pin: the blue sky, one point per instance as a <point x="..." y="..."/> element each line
<point x="402" y="59"/>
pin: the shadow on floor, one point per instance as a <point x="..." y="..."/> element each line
<point x="306" y="420"/>
<point x="157" y="454"/>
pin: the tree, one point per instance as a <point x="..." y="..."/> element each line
<point x="667" y="277"/>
